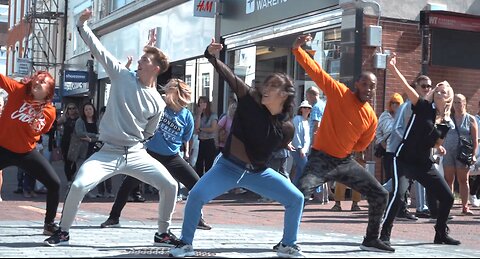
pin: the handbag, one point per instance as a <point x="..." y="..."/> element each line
<point x="74" y="149"/>
<point x="465" y="149"/>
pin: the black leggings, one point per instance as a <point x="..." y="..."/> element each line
<point x="207" y="151"/>
<point x="37" y="166"/>
<point x="434" y="184"/>
<point x="474" y="184"/>
<point x="180" y="169"/>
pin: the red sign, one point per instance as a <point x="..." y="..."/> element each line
<point x="454" y="22"/>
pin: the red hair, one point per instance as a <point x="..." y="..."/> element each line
<point x="51" y="84"/>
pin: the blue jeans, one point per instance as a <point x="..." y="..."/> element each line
<point x="420" y="195"/>
<point x="226" y="175"/>
<point x="300" y="163"/>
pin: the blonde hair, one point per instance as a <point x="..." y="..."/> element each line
<point x="448" y="101"/>
<point x="183" y="90"/>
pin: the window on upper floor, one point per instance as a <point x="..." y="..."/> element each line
<point x="117" y="4"/>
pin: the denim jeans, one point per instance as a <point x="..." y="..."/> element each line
<point x="226" y="175"/>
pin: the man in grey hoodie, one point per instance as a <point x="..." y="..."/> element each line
<point x="133" y="112"/>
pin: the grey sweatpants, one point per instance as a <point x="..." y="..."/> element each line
<point x="321" y="168"/>
<point x="113" y="160"/>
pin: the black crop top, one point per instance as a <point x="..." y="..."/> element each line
<point x="253" y="124"/>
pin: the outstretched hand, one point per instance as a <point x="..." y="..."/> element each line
<point x="85" y="16"/>
<point x="302" y="39"/>
<point x="129" y="62"/>
<point x="152" y="40"/>
<point x="214" y="47"/>
<point x="392" y="60"/>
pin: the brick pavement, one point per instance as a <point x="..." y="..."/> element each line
<point x="242" y="228"/>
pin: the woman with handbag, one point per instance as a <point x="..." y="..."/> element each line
<point x="83" y="142"/>
<point x="465" y="129"/>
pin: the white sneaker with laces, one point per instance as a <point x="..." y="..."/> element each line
<point x="474" y="201"/>
<point x="182" y="250"/>
<point x="289" y="251"/>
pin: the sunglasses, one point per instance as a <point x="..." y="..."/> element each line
<point x="425" y="86"/>
<point x="71" y="108"/>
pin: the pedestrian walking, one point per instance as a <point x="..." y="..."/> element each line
<point x="27" y="115"/>
<point x="426" y="129"/>
<point x="175" y="129"/>
<point x="243" y="162"/>
<point x="133" y="112"/>
<point x="331" y="157"/>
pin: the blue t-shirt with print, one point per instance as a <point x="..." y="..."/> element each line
<point x="174" y="129"/>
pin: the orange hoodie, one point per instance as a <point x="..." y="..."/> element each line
<point x="347" y="124"/>
<point x="22" y="125"/>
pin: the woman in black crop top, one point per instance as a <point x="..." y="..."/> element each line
<point x="261" y="124"/>
<point x="426" y="129"/>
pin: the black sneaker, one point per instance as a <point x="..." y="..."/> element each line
<point x="423" y="214"/>
<point x="203" y="225"/>
<point x="376" y="245"/>
<point x="110" y="223"/>
<point x="58" y="238"/>
<point x="275" y="247"/>
<point x="50" y="228"/>
<point x="406" y="216"/>
<point x="165" y="239"/>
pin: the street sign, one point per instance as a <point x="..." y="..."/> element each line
<point x="24" y="67"/>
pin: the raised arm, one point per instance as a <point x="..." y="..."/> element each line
<point x="411" y="93"/>
<point x="321" y="78"/>
<point x="235" y="83"/>
<point x="109" y="62"/>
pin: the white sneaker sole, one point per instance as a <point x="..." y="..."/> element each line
<point x="183" y="255"/>
<point x="163" y="245"/>
<point x="64" y="243"/>
<point x="111" y="226"/>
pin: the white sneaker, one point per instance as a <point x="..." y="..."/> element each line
<point x="474" y="201"/>
<point x="182" y="250"/>
<point x="289" y="251"/>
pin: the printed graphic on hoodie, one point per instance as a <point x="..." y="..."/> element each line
<point x="31" y="114"/>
